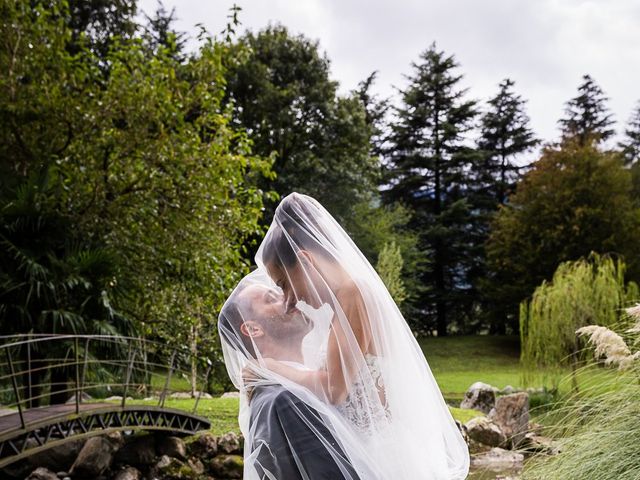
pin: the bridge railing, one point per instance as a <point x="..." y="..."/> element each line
<point x="46" y="369"/>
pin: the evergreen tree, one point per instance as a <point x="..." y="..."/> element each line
<point x="375" y="111"/>
<point x="587" y="116"/>
<point x="159" y="32"/>
<point x="504" y="134"/>
<point x="631" y="144"/>
<point x="427" y="170"/>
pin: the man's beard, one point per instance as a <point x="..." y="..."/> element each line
<point x="288" y="326"/>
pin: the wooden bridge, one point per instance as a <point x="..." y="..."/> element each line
<point x="41" y="370"/>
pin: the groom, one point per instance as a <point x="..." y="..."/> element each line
<point x="289" y="437"/>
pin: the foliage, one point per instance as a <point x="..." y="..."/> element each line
<point x="148" y="164"/>
<point x="389" y="267"/>
<point x="427" y="169"/>
<point x="283" y="95"/>
<point x="585" y="292"/>
<point x="630" y="145"/>
<point x="599" y="435"/>
<point x="576" y="199"/>
<point x="587" y="118"/>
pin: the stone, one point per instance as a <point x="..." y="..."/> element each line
<point x="204" y="446"/>
<point x="172" y="468"/>
<point x="139" y="451"/>
<point x="480" y="396"/>
<point x="57" y="458"/>
<point x="498" y="458"/>
<point x="180" y="395"/>
<point x="128" y="473"/>
<point x="483" y="430"/>
<point x="511" y="414"/>
<point x="96" y="455"/>
<point x="230" y="395"/>
<point x="83" y="397"/>
<point x="227" y="466"/>
<point x="172" y="447"/>
<point x="534" y="443"/>
<point x="508" y="390"/>
<point x="42" y="473"/>
<point x="230" y="443"/>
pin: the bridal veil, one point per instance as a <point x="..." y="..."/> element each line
<point x="331" y="337"/>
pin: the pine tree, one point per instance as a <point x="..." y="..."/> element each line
<point x="427" y="169"/>
<point x="587" y="115"/>
<point x="375" y="110"/>
<point x="631" y="144"/>
<point x="504" y="134"/>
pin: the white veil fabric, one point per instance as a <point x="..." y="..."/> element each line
<point x="333" y="383"/>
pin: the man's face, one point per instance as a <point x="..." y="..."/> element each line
<point x="269" y="309"/>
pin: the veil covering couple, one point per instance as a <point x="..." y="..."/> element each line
<point x="333" y="384"/>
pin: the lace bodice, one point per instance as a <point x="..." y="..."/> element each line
<point x="366" y="406"/>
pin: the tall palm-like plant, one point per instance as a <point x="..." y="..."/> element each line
<point x="52" y="278"/>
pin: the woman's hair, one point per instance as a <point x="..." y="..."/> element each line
<point x="296" y="218"/>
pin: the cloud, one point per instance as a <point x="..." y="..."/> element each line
<point x="544" y="45"/>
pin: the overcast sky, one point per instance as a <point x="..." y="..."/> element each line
<point x="544" y="45"/>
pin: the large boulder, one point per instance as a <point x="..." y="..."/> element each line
<point x="204" y="446"/>
<point x="227" y="466"/>
<point x="230" y="443"/>
<point x="42" y="473"/>
<point x="483" y="430"/>
<point x="171" y="447"/>
<point x="96" y="455"/>
<point x="139" y="451"/>
<point x="128" y="473"/>
<point x="480" y="396"/>
<point x="497" y="459"/>
<point x="511" y="414"/>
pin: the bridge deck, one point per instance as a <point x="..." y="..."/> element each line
<point x="11" y="421"/>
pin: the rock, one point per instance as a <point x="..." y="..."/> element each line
<point x="57" y="458"/>
<point x="230" y="395"/>
<point x="511" y="414"/>
<point x="463" y="430"/>
<point x="172" y="468"/>
<point x="534" y="443"/>
<point x="480" y="396"/>
<point x="180" y="395"/>
<point x="83" y="397"/>
<point x="128" y="473"/>
<point x="536" y="428"/>
<point x="230" y="443"/>
<point x="96" y="455"/>
<point x="42" y="473"/>
<point x="139" y="451"/>
<point x="508" y="390"/>
<point x="227" y="466"/>
<point x="204" y="446"/>
<point x="497" y="458"/>
<point x="483" y="430"/>
<point x="172" y="447"/>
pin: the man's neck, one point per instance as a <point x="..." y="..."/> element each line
<point x="284" y="354"/>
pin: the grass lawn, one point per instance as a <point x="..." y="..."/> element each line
<point x="456" y="362"/>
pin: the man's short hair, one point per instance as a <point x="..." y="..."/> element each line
<point x="233" y="314"/>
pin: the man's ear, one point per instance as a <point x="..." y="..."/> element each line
<point x="251" y="329"/>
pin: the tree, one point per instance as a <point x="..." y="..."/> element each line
<point x="375" y="110"/>
<point x="631" y="144"/>
<point x="589" y="291"/>
<point x="427" y="169"/>
<point x="576" y="199"/>
<point x="148" y="167"/>
<point x="159" y="32"/>
<point x="587" y="116"/>
<point x="284" y="97"/>
<point x="504" y="135"/>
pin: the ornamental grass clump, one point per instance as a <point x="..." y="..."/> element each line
<point x="598" y="430"/>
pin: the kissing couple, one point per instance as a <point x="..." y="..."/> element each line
<point x="333" y="384"/>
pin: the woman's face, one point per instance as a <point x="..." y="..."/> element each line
<point x="298" y="282"/>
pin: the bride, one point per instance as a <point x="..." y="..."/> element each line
<point x="360" y="368"/>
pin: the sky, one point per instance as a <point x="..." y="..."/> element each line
<point x="545" y="46"/>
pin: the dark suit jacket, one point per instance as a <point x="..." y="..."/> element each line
<point x="292" y="438"/>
